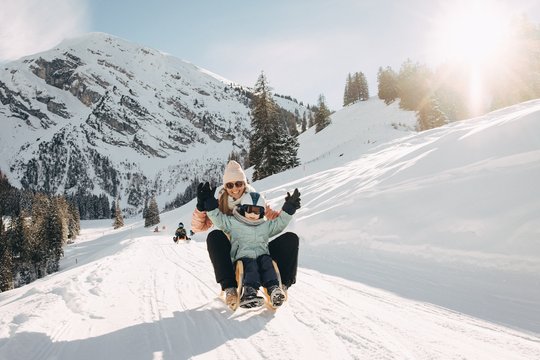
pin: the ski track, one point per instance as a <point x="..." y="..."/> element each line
<point x="161" y="301"/>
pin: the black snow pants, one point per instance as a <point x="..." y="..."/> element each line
<point x="283" y="249"/>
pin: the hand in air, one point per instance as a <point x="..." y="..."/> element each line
<point x="204" y="192"/>
<point x="292" y="202"/>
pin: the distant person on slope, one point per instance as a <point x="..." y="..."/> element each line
<point x="249" y="233"/>
<point x="180" y="233"/>
<point x="283" y="249"/>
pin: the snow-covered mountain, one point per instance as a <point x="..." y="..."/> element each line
<point x="422" y="247"/>
<point x="109" y="116"/>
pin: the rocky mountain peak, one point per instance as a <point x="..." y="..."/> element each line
<point x="103" y="115"/>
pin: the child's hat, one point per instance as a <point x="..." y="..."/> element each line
<point x="252" y="199"/>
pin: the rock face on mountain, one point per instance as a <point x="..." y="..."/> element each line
<point x="102" y="115"/>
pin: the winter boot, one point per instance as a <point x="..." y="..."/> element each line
<point x="277" y="296"/>
<point x="231" y="298"/>
<point x="250" y="299"/>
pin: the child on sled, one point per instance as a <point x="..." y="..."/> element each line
<point x="249" y="232"/>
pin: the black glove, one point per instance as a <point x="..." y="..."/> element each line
<point x="205" y="197"/>
<point x="292" y="202"/>
<point x="200" y="198"/>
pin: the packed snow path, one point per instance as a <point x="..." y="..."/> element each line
<point x="140" y="298"/>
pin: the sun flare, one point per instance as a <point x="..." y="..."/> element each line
<point x="474" y="37"/>
<point x="471" y="33"/>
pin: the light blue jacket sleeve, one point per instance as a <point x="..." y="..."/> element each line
<point x="278" y="224"/>
<point x="220" y="220"/>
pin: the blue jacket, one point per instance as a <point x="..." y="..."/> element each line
<point x="248" y="238"/>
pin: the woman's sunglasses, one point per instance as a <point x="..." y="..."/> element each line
<point x="238" y="184"/>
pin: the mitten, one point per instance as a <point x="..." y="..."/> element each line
<point x="205" y="195"/>
<point x="200" y="197"/>
<point x="210" y="201"/>
<point x="292" y="202"/>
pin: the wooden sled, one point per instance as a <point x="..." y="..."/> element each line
<point x="177" y="239"/>
<point x="239" y="274"/>
<point x="267" y="296"/>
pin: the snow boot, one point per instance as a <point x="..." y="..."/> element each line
<point x="277" y="296"/>
<point x="250" y="299"/>
<point x="231" y="298"/>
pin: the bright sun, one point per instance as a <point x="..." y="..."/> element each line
<point x="472" y="33"/>
<point x="473" y="36"/>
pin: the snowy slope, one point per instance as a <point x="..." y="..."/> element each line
<point x="423" y="248"/>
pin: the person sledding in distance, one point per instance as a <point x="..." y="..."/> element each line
<point x="249" y="233"/>
<point x="283" y="248"/>
<point x="180" y="233"/>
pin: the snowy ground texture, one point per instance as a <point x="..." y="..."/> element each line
<point x="424" y="247"/>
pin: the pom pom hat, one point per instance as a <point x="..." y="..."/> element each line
<point x="233" y="172"/>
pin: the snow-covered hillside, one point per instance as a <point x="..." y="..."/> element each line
<point x="425" y="247"/>
<point x="106" y="116"/>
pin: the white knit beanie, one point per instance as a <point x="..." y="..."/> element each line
<point x="233" y="172"/>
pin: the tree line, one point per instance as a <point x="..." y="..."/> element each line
<point x="442" y="96"/>
<point x="34" y="228"/>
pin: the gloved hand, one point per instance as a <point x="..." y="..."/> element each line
<point x="205" y="197"/>
<point x="200" y="197"/>
<point x="292" y="202"/>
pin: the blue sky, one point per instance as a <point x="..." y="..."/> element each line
<point x="306" y="48"/>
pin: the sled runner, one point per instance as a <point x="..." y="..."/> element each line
<point x="267" y="296"/>
<point x="175" y="239"/>
<point x="239" y="275"/>
<point x="239" y="272"/>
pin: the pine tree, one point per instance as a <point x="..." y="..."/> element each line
<point x="311" y="121"/>
<point x="234" y="155"/>
<point x="74" y="221"/>
<point x="356" y="89"/>
<point x="145" y="208"/>
<point x="362" y="85"/>
<point x="47" y="235"/>
<point x="413" y="85"/>
<point x="18" y="237"/>
<point x="272" y="149"/>
<point x="105" y="207"/>
<point x="263" y="117"/>
<point x="38" y="236"/>
<point x="22" y="249"/>
<point x="118" y="219"/>
<point x="322" y="116"/>
<point x="56" y="233"/>
<point x="347" y="96"/>
<point x="387" y="85"/>
<point x="152" y="214"/>
<point x="430" y="115"/>
<point x="304" y="122"/>
<point x="6" y="260"/>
